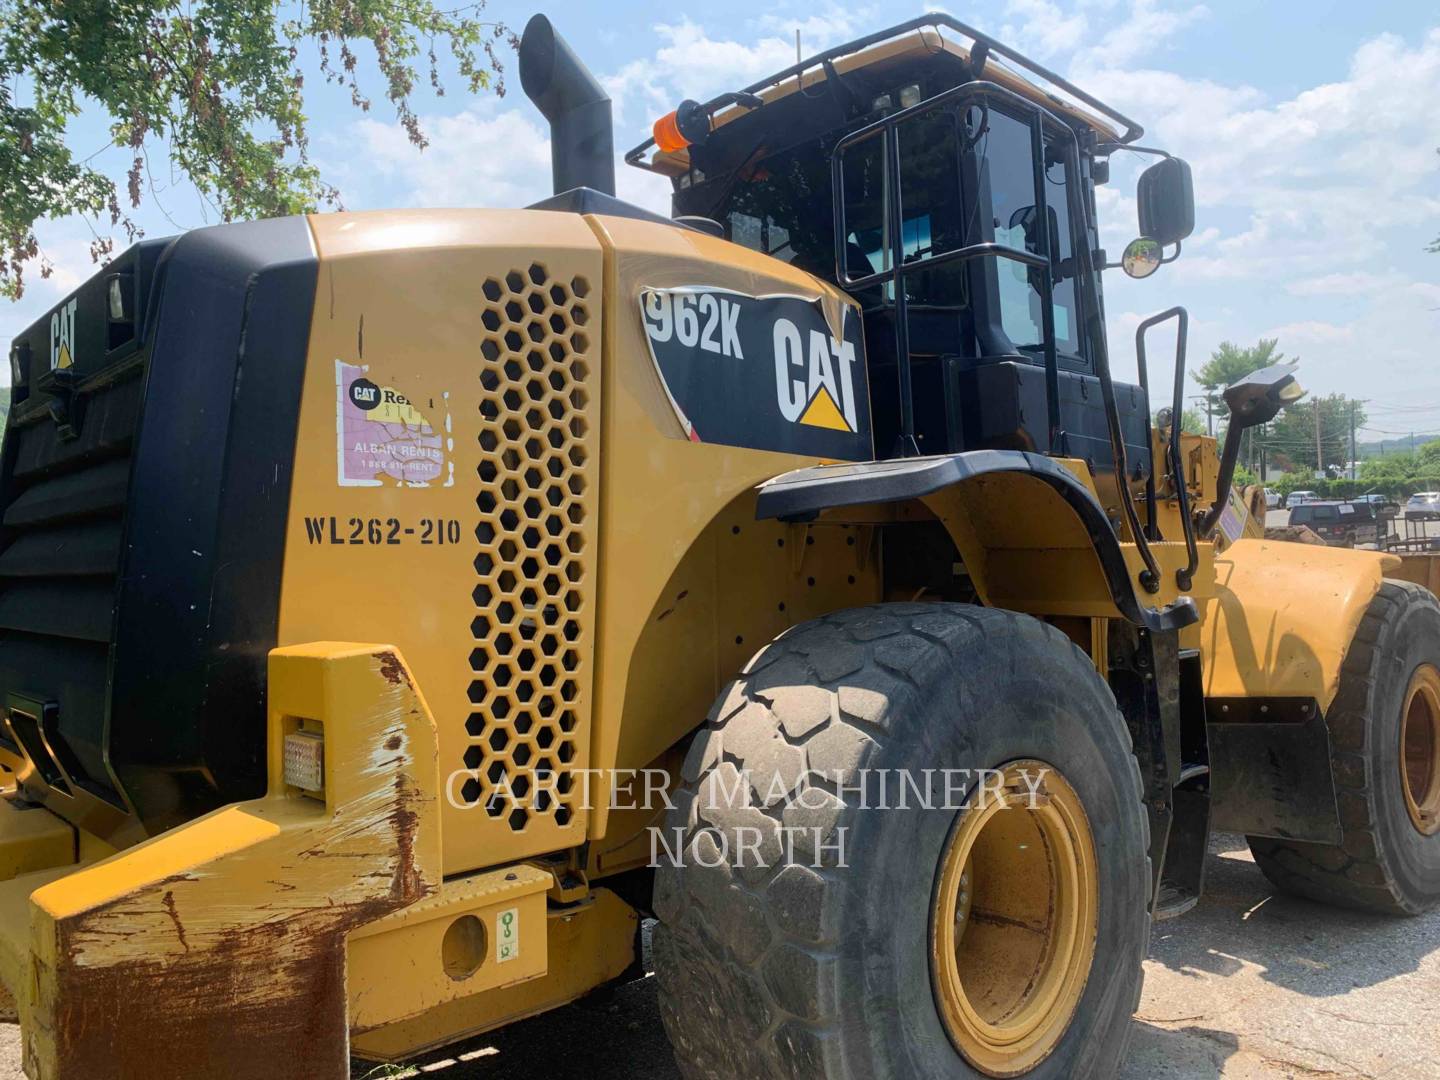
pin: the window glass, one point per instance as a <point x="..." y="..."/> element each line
<point x="764" y="235"/>
<point x="781" y="207"/>
<point x="1324" y="513"/>
<point x="867" y="182"/>
<point x="1007" y="163"/>
<point x="929" y="147"/>
<point x="1057" y="202"/>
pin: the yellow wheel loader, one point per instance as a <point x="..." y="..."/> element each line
<point x="397" y="609"/>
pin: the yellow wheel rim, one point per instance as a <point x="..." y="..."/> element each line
<point x="1420" y="749"/>
<point x="1013" y="920"/>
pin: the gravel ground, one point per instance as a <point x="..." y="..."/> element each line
<point x="1250" y="985"/>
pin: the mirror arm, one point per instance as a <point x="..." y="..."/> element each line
<point x="1228" y="457"/>
<point x="1105" y="149"/>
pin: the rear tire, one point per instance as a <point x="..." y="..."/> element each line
<point x="791" y="966"/>
<point x="1385" y="755"/>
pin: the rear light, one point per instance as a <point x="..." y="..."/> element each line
<point x="305" y="760"/>
<point x="19" y="364"/>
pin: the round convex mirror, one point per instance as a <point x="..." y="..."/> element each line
<point x="1142" y="257"/>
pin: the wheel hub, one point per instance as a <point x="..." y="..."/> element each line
<point x="1420" y="749"/>
<point x="1013" y="920"/>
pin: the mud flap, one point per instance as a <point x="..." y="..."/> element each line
<point x="1271" y="769"/>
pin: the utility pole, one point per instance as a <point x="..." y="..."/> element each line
<point x="1352" y="438"/>
<point x="1319" y="455"/>
<point x="1209" y="401"/>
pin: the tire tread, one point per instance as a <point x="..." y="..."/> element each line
<point x="732" y="1009"/>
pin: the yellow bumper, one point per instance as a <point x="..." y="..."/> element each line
<point x="218" y="948"/>
<point x="273" y="938"/>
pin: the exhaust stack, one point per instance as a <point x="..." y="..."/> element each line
<point x="582" y="140"/>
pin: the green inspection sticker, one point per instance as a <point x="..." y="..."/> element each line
<point x="507" y="935"/>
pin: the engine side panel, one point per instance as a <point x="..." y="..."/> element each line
<point x="446" y="494"/>
<point x="661" y="491"/>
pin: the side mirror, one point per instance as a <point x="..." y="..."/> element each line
<point x="1255" y="399"/>
<point x="1142" y="257"/>
<point x="1166" y="197"/>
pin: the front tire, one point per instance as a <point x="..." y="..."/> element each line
<point x="801" y="963"/>
<point x="1385" y="755"/>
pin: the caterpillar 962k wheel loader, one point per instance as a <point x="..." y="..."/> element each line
<point x="353" y="568"/>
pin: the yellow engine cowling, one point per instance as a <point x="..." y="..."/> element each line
<point x="519" y="333"/>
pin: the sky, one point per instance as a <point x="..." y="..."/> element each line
<point x="1311" y="126"/>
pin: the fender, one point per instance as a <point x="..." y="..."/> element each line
<point x="1276" y="633"/>
<point x="1283" y="618"/>
<point x="804" y="493"/>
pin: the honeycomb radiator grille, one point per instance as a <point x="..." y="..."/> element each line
<point x="528" y="729"/>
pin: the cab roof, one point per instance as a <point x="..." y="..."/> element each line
<point x="908" y="41"/>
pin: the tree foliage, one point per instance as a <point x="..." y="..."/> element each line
<point x="1418" y="470"/>
<point x="1292" y="433"/>
<point x="215" y="86"/>
<point x="1230" y="363"/>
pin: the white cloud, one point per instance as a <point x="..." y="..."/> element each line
<point x="692" y="64"/>
<point x="478" y="157"/>
<point x="821" y="30"/>
<point x="1311" y="332"/>
<point x="1044" y="29"/>
<point x="1344" y="284"/>
<point x="1425" y="292"/>
<point x="1146" y="30"/>
<point x="1306" y="203"/>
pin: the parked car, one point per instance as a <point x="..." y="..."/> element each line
<point x="1272" y="499"/>
<point x="1339" y="524"/>
<point x="1385" y="506"/>
<point x="1423" y="506"/>
<point x="1300" y="498"/>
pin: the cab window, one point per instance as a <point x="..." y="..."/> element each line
<point x="1007" y="161"/>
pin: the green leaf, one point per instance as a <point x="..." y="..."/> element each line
<point x="211" y="86"/>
